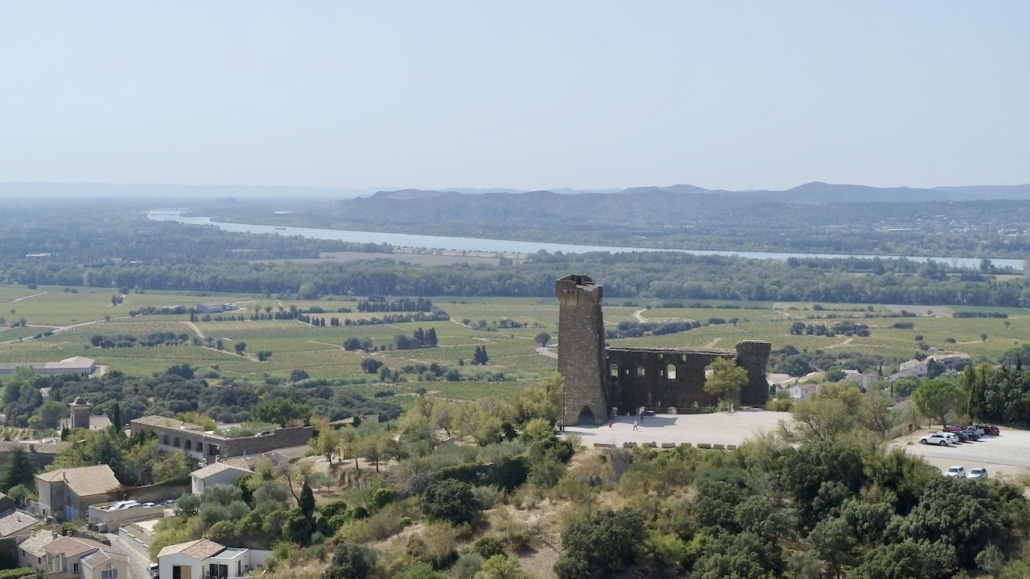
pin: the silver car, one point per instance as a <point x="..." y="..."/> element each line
<point x="978" y="472"/>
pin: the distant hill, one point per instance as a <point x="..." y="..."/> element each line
<point x="818" y="192"/>
<point x="169" y="191"/>
<point x="815" y="192"/>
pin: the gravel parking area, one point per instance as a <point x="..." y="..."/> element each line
<point x="1006" y="456"/>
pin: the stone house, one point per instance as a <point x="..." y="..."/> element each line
<point x="67" y="493"/>
<point x="218" y="473"/>
<point x="207" y="446"/>
<point x="105" y="564"/>
<point x="62" y="557"/>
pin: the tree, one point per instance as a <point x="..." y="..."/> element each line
<point x="937" y="399"/>
<point x="351" y="561"/>
<point x="373" y="448"/>
<point x="307" y="501"/>
<point x="977" y="381"/>
<point x="184" y="370"/>
<point x="480" y="358"/>
<point x="239" y="347"/>
<point x="371" y="365"/>
<point x="835" y="374"/>
<point x="543" y="338"/>
<point x="600" y="543"/>
<point x="19" y="470"/>
<point x="449" y="500"/>
<point x="48" y="415"/>
<point x="279" y="411"/>
<point x="968" y="516"/>
<point x="726" y="379"/>
<point x="831" y="541"/>
<point x="328" y="439"/>
<point x="297" y="375"/>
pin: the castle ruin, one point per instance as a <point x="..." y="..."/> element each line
<point x="600" y="381"/>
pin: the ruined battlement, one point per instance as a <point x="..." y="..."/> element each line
<point x="598" y="378"/>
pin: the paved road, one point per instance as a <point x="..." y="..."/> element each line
<point x="138" y="558"/>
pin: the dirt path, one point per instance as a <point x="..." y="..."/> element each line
<point x="841" y="344"/>
<point x="26" y="297"/>
<point x="549" y="352"/>
<point x="196" y="330"/>
<point x="639" y="315"/>
<point x="712" y="343"/>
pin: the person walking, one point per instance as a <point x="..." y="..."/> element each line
<point x="635" y="425"/>
<point x="610" y="423"/>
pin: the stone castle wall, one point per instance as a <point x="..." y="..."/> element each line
<point x="599" y="380"/>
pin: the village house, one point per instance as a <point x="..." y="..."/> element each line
<point x="67" y="493"/>
<point x="64" y="557"/>
<point x="206" y="446"/>
<point x="218" y="473"/>
<point x="202" y="559"/>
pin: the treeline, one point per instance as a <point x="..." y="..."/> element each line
<point x="640" y="329"/>
<point x="996" y="315"/>
<point x="999" y="395"/>
<point x="94" y="234"/>
<point x="152" y="340"/>
<point x="420" y="339"/>
<point x="666" y="276"/>
<point x="397" y="305"/>
<point x="171" y="393"/>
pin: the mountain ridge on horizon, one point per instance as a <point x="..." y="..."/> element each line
<point x="811" y="192"/>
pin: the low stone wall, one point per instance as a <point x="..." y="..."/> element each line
<point x="670" y="445"/>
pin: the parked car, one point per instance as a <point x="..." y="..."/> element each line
<point x="155" y="570"/>
<point x="979" y="430"/>
<point x="122" y="505"/>
<point x="978" y="472"/>
<point x="961" y="434"/>
<point x="951" y="436"/>
<point x="953" y="428"/>
<point x="971" y="434"/>
<point x="991" y="430"/>
<point x="936" y="438"/>
<point x="956" y="472"/>
<point x="148" y="505"/>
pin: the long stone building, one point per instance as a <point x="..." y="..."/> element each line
<point x="600" y="381"/>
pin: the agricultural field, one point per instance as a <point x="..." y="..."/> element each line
<point x="505" y="327"/>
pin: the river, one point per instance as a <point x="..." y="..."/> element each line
<point x="434" y="242"/>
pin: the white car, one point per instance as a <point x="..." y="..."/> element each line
<point x="952" y="437"/>
<point x="938" y="438"/>
<point x="956" y="472"/>
<point x="978" y="472"/>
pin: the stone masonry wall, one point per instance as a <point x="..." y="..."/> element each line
<point x="581" y="349"/>
<point x="600" y="379"/>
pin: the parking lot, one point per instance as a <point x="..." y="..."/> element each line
<point x="1006" y="456"/>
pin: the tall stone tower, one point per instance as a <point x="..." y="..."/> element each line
<point x="581" y="359"/>
<point x="80" y="411"/>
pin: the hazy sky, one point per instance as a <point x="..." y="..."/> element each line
<point x="520" y="94"/>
